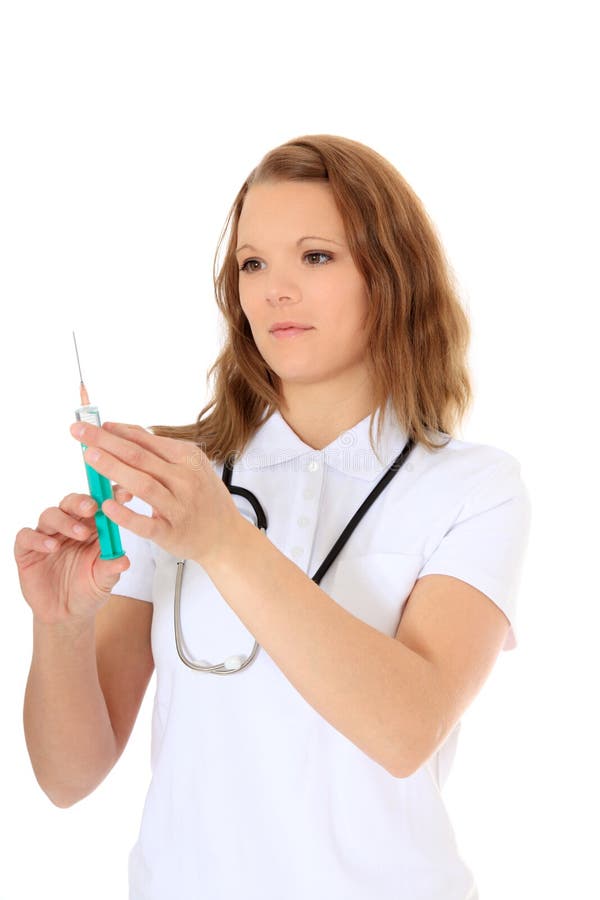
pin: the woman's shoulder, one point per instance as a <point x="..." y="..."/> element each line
<point x="469" y="460"/>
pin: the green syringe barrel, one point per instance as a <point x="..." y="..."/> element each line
<point x="100" y="490"/>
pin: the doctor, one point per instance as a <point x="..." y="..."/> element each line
<point x="315" y="772"/>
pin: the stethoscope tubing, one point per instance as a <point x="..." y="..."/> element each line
<point x="237" y="663"/>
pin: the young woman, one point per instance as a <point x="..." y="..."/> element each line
<point x="315" y="768"/>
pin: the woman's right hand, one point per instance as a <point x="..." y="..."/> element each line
<point x="70" y="582"/>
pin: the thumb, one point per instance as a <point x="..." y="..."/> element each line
<point x="108" y="571"/>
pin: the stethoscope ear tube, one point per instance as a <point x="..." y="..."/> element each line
<point x="362" y="509"/>
<point x="261" y="516"/>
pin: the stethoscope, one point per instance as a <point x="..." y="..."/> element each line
<point x="234" y="664"/>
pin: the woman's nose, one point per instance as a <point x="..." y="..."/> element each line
<point x="280" y="285"/>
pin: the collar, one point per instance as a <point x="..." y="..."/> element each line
<point x="351" y="453"/>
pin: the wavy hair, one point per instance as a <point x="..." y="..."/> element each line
<point x="418" y="332"/>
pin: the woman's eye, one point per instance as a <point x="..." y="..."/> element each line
<point x="318" y="253"/>
<point x="247" y="266"/>
<point x="244" y="267"/>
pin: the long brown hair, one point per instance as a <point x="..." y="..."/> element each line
<point x="418" y="330"/>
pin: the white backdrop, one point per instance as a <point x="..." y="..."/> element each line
<point x="127" y="129"/>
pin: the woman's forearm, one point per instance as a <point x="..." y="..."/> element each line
<point x="376" y="691"/>
<point x="68" y="731"/>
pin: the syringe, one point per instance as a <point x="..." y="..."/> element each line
<point x="100" y="486"/>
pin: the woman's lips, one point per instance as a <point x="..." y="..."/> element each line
<point x="283" y="333"/>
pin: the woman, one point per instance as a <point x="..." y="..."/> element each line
<point x="315" y="769"/>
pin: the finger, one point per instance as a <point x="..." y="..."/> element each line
<point x="120" y="494"/>
<point x="136" y="455"/>
<point x="129" y="459"/>
<point x="115" y="435"/>
<point x="143" y="475"/>
<point x="122" y="426"/>
<point x="142" y="525"/>
<point x="29" y="539"/>
<point x="55" y="521"/>
<point x="171" y="449"/>
<point x="81" y="505"/>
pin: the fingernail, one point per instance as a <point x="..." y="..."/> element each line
<point x="86" y="504"/>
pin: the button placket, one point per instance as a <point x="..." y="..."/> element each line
<point x="303" y="531"/>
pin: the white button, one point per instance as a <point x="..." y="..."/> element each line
<point x="303" y="520"/>
<point x="308" y="493"/>
<point x="313" y="465"/>
<point x="296" y="551"/>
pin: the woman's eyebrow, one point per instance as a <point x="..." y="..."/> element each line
<point x="307" y="237"/>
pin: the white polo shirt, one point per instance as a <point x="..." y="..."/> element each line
<point x="253" y="793"/>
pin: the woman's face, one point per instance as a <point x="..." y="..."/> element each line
<point x="287" y="275"/>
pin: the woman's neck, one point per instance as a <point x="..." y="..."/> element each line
<point x="319" y="417"/>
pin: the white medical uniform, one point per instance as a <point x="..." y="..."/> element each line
<point x="253" y="793"/>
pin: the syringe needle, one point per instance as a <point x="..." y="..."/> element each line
<point x="85" y="400"/>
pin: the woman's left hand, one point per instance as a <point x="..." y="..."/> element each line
<point x="193" y="513"/>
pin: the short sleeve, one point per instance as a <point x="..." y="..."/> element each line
<point x="486" y="544"/>
<point x="138" y="579"/>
